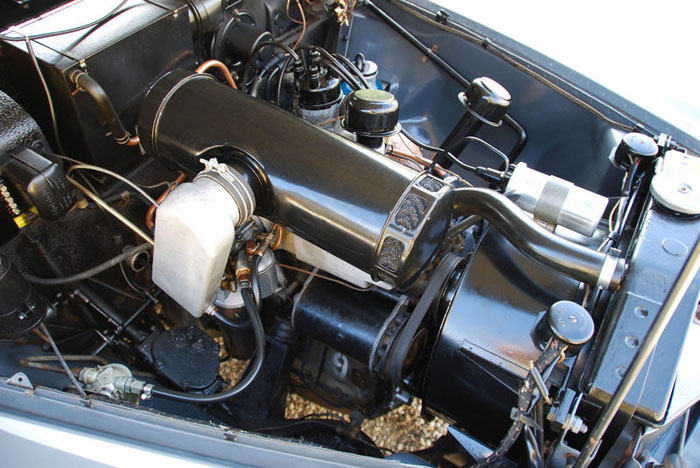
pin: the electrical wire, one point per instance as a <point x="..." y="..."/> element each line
<point x="327" y="278"/>
<point x="334" y="63"/>
<point x="278" y="97"/>
<point x="101" y="203"/>
<point x="91" y="272"/>
<point x="49" y="99"/>
<point x="69" y="373"/>
<point x="69" y="30"/>
<point x="488" y="146"/>
<point x="256" y="51"/>
<point x="522" y="64"/>
<point x="303" y="23"/>
<point x="150" y="214"/>
<point x="351" y="66"/>
<point x="90" y="167"/>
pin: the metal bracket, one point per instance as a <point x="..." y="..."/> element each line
<point x="519" y="416"/>
<point x="21" y="380"/>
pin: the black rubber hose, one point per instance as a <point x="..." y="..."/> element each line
<point x="254" y="367"/>
<point x="88" y="84"/>
<point x="526" y="235"/>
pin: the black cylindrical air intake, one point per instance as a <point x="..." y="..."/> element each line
<point x="368" y="210"/>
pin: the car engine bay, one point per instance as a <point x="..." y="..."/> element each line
<point x="316" y="188"/>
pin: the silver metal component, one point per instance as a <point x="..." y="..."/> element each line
<point x="21" y="380"/>
<point x="270" y="281"/>
<point x="195" y="227"/>
<point x="140" y="261"/>
<point x="534" y="455"/>
<point x="554" y="201"/>
<point x="680" y="287"/>
<point x="571" y="422"/>
<point x="686" y="391"/>
<point x="541" y="386"/>
<point x="676" y="184"/>
<point x="146" y="392"/>
<point x="233" y="183"/>
<point x="476" y="449"/>
<point x="607" y="273"/>
<point x="322" y="116"/>
<point x="113" y="381"/>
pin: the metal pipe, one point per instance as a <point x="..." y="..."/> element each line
<point x="219" y="66"/>
<point x="526" y="235"/>
<point x="685" y="278"/>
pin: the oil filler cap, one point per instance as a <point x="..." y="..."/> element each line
<point x="372" y="113"/>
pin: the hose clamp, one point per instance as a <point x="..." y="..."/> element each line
<point x="607" y="273"/>
<point x="233" y="183"/>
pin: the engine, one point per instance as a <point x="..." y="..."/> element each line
<point x="184" y="181"/>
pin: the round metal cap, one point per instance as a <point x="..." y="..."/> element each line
<point x="372" y="112"/>
<point x="635" y="145"/>
<point x="677" y="191"/>
<point x="487" y="100"/>
<point x="570" y="323"/>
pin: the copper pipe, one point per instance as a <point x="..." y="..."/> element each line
<point x="222" y="68"/>
<point x="133" y="141"/>
<point x="438" y="170"/>
<point x="150" y="214"/>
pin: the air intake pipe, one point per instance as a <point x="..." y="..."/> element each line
<point x="368" y="210"/>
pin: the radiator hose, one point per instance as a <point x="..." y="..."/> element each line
<point x="567" y="257"/>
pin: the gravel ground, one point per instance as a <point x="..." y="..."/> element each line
<point x="400" y="430"/>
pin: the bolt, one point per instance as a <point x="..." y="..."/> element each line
<point x="684" y="188"/>
<point x="184" y="383"/>
<point x="158" y="364"/>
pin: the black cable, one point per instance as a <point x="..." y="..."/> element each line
<point x="525" y="396"/>
<point x="249" y="377"/>
<point x="58" y="354"/>
<point x="342" y="74"/>
<point x="348" y="75"/>
<point x="230" y="323"/>
<point x="69" y="30"/>
<point x="281" y="79"/>
<point x="351" y="66"/>
<point x="254" y="53"/>
<point x="443" y="64"/>
<point x="527" y="66"/>
<point x="88" y="273"/>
